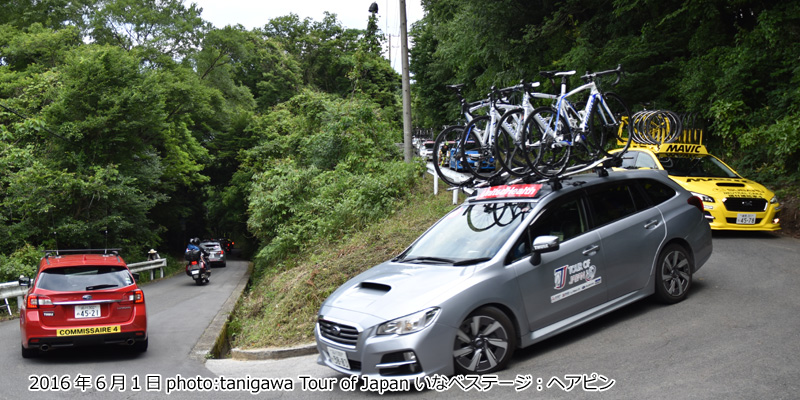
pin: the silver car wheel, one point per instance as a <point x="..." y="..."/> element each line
<point x="484" y="342"/>
<point x="674" y="275"/>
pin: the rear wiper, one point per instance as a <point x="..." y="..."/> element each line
<point x="471" y="261"/>
<point x="434" y="259"/>
<point x="104" y="286"/>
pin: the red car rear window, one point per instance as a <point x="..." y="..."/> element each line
<point x="83" y="278"/>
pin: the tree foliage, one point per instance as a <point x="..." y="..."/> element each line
<point x="136" y="123"/>
<point x="732" y="63"/>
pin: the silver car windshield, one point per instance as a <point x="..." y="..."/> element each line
<point x="470" y="234"/>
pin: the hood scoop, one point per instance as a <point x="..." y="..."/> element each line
<point x="730" y="184"/>
<point x="375" y="286"/>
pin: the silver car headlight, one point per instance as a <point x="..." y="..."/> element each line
<point x="706" y="199"/>
<point x="773" y="200"/>
<point x="410" y="323"/>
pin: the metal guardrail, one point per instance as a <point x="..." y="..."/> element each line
<point x="13" y="289"/>
<point x="151" y="266"/>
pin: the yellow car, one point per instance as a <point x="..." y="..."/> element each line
<point x="731" y="202"/>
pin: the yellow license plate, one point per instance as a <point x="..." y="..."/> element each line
<point x="92" y="330"/>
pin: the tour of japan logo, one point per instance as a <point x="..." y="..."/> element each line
<point x="560" y="277"/>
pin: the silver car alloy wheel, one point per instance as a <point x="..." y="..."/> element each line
<point x="676" y="273"/>
<point x="484" y="342"/>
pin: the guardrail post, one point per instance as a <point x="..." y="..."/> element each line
<point x="435" y="185"/>
<point x="455" y="197"/>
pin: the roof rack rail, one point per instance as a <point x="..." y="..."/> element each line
<point x="48" y="253"/>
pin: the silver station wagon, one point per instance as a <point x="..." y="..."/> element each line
<point x="512" y="266"/>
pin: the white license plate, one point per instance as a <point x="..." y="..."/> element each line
<point x="195" y="271"/>
<point x="92" y="311"/>
<point x="338" y="358"/>
<point x="746" y="219"/>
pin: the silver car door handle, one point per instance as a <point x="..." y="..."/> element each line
<point x="651" y="224"/>
<point x="591" y="250"/>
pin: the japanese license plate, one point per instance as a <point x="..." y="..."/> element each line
<point x="338" y="358"/>
<point x="746" y="219"/>
<point x="91" y="311"/>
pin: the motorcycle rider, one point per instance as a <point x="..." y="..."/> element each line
<point x="194" y="244"/>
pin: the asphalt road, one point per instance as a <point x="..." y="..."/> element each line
<point x="178" y="313"/>
<point x="735" y="337"/>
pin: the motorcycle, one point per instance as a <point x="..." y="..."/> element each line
<point x="198" y="268"/>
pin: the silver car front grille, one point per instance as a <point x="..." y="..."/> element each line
<point x="338" y="333"/>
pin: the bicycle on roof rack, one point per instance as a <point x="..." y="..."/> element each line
<point x="568" y="136"/>
<point x="444" y="148"/>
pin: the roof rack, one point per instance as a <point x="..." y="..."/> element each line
<point x="115" y="252"/>
<point x="600" y="167"/>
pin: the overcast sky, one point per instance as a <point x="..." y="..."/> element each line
<point x="351" y="13"/>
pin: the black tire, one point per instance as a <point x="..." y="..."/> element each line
<point x="510" y="142"/>
<point x="551" y="157"/>
<point x="444" y="148"/>
<point x="484" y="342"/>
<point x="673" y="274"/>
<point x="482" y="154"/>
<point x="607" y="132"/>
<point x="140" y="347"/>
<point x="28" y="353"/>
<point x="199" y="281"/>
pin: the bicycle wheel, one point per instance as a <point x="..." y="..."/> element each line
<point x="476" y="152"/>
<point x="481" y="217"/>
<point x="609" y="131"/>
<point x="510" y="139"/>
<point x="551" y="149"/>
<point x="446" y="156"/>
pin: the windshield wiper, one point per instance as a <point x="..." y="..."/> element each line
<point x="471" y="261"/>
<point x="103" y="286"/>
<point x="433" y="259"/>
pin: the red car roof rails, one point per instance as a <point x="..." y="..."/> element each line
<point x="57" y="253"/>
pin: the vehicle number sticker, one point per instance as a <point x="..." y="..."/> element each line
<point x="339" y="358"/>
<point x="91" y="311"/>
<point x="92" y="330"/>
<point x="746" y="219"/>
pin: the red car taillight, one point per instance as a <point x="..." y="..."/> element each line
<point x="697" y="202"/>
<point x="36" y="301"/>
<point x="136" y="296"/>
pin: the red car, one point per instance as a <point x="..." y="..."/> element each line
<point x="79" y="299"/>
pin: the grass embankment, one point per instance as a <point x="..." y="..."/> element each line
<point x="281" y="306"/>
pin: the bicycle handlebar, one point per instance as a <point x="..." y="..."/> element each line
<point x="592" y="76"/>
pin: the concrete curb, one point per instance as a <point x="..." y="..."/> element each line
<point x="214" y="340"/>
<point x="273" y="353"/>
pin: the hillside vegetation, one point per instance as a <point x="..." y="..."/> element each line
<point x="282" y="303"/>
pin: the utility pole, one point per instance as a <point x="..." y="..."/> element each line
<point x="406" y="84"/>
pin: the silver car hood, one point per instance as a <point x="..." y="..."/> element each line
<point x="392" y="290"/>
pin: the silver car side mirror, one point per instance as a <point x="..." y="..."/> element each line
<point x="543" y="244"/>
